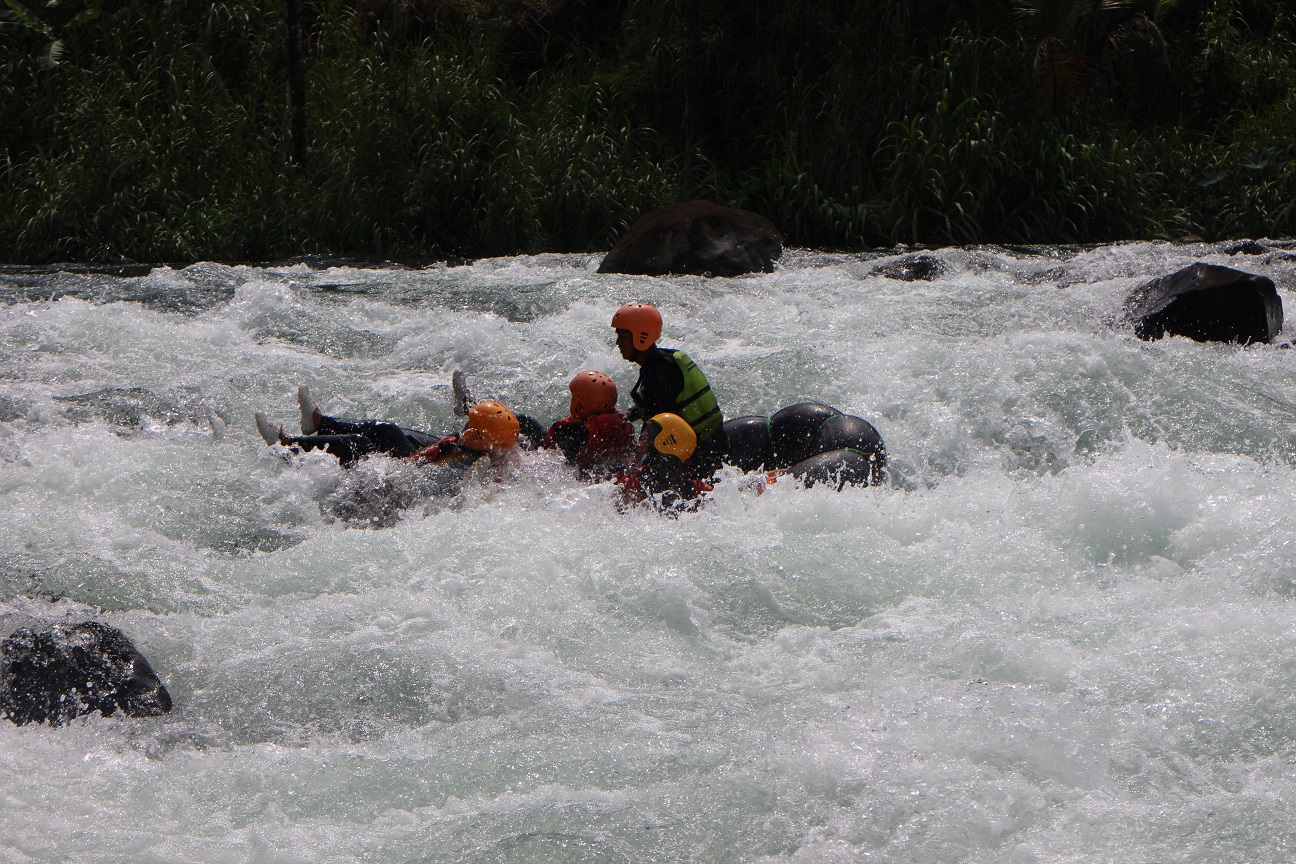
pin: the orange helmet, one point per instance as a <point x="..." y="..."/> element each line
<point x="676" y="437"/>
<point x="491" y="426"/>
<point x="592" y="393"/>
<point x="642" y="320"/>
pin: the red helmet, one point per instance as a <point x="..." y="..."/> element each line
<point x="592" y="393"/>
<point x="491" y="426"/>
<point x="642" y="320"/>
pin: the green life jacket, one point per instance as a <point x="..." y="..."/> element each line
<point x="696" y="403"/>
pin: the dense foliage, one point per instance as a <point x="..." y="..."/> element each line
<point x="159" y="130"/>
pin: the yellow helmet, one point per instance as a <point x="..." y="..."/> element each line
<point x="491" y="426"/>
<point x="676" y="437"/>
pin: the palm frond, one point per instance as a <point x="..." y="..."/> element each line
<point x="24" y="16"/>
<point x="1139" y="36"/>
<point x="53" y="54"/>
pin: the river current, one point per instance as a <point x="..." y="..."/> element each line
<point x="1062" y="631"/>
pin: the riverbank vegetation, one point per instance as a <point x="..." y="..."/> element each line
<point x="162" y="130"/>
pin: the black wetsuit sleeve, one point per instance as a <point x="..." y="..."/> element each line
<point x="569" y="438"/>
<point x="531" y="434"/>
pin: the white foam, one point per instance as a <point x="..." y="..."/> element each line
<point x="1060" y="632"/>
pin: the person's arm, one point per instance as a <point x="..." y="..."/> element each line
<point x="436" y="451"/>
<point x="569" y="435"/>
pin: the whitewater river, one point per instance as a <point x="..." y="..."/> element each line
<point x="1062" y="631"/>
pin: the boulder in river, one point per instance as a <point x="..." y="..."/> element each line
<point x="1208" y="303"/>
<point x="914" y="268"/>
<point x="698" y="238"/>
<point x="55" y="675"/>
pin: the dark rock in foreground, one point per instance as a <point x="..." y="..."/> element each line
<point x="697" y="238"/>
<point x="1208" y="303"/>
<point x="73" y="669"/>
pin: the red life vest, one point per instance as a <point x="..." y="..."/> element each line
<point x="599" y="441"/>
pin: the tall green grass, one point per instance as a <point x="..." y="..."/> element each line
<point x="463" y="128"/>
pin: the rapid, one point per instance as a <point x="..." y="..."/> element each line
<point x="1061" y="631"/>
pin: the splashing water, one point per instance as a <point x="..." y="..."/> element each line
<point x="1060" y="632"/>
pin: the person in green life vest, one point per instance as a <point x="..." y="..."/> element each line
<point x="670" y="383"/>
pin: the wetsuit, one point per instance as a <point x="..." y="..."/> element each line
<point x="672" y="485"/>
<point x="598" y="445"/>
<point x="352" y="440"/>
<point x="672" y="383"/>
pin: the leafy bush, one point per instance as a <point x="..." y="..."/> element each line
<point x="133" y="130"/>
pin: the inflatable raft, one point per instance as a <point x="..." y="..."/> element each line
<point x="811" y="441"/>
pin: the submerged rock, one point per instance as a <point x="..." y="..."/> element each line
<point x="69" y="670"/>
<point x="378" y="491"/>
<point x="1209" y="303"/>
<point x="131" y="408"/>
<point x="1246" y="247"/>
<point x="914" y="268"/>
<point x="699" y="238"/>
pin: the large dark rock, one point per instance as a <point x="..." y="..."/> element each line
<point x="1207" y="302"/>
<point x="699" y="238"/>
<point x="69" y="670"/>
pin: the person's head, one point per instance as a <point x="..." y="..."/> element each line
<point x="491" y="426"/>
<point x="672" y="435"/>
<point x="592" y="393"/>
<point x="638" y="326"/>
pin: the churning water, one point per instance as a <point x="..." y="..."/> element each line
<point x="1062" y="631"/>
